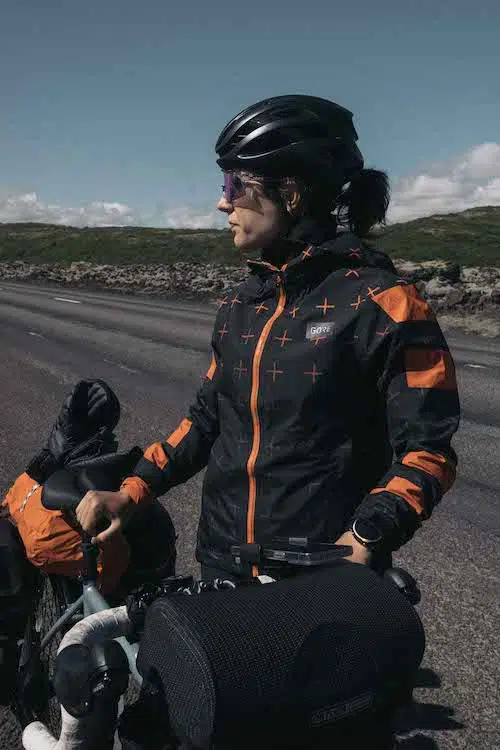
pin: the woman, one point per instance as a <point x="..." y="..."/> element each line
<point x="330" y="404"/>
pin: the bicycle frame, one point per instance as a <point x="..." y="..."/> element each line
<point x="89" y="603"/>
<point x="86" y="608"/>
<point x="92" y="602"/>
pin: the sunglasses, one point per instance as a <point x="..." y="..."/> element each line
<point x="234" y="186"/>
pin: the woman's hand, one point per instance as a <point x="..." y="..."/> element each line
<point x="360" y="554"/>
<point x="117" y="506"/>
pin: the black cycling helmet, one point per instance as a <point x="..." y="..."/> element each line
<point x="291" y="135"/>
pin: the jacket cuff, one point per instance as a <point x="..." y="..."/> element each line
<point x="137" y="489"/>
<point x="396" y="520"/>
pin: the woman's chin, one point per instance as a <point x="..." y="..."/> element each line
<point x="242" y="243"/>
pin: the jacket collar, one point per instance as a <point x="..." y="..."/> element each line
<point x="308" y="239"/>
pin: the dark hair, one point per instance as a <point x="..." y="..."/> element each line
<point x="364" y="201"/>
<point x="358" y="204"/>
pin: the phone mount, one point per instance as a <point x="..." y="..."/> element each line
<point x="294" y="551"/>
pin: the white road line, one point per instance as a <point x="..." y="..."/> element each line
<point x="122" y="367"/>
<point x="65" y="299"/>
<point x="479" y="367"/>
<point x="127" y="369"/>
<point x="38" y="335"/>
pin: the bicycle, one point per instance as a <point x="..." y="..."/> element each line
<point x="59" y="601"/>
<point x="83" y="697"/>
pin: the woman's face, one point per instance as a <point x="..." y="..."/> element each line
<point x="255" y="220"/>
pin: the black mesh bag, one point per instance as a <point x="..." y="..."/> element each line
<point x="278" y="665"/>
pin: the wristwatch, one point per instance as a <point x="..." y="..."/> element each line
<point x="366" y="532"/>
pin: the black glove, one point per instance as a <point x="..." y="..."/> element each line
<point x="84" y="427"/>
<point x="90" y="407"/>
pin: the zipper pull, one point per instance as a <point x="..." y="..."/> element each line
<point x="280" y="276"/>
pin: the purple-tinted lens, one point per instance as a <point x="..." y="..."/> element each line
<point x="233" y="187"/>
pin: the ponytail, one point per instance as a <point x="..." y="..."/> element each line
<point x="359" y="205"/>
<point x="364" y="201"/>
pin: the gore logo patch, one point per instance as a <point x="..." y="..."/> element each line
<point x="319" y="330"/>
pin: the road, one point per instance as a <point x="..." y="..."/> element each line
<point x="153" y="354"/>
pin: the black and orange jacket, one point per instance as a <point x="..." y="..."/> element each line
<point x="331" y="395"/>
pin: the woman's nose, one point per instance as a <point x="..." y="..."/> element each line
<point x="224" y="205"/>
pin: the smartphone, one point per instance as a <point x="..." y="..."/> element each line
<point x="300" y="551"/>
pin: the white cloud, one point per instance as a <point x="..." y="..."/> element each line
<point x="30" y="207"/>
<point x="186" y="217"/>
<point x="27" y="207"/>
<point x="470" y="180"/>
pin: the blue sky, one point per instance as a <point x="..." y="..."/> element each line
<point x="119" y="102"/>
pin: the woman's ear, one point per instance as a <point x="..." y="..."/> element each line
<point x="293" y="201"/>
<point x="294" y="204"/>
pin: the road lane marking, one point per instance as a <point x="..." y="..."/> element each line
<point x="38" y="335"/>
<point x="65" y="299"/>
<point x="122" y="367"/>
<point x="479" y="367"/>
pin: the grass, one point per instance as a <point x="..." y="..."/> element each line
<point x="468" y="238"/>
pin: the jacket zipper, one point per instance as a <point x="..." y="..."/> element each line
<point x="252" y="486"/>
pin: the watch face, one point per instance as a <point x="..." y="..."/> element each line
<point x="367" y="531"/>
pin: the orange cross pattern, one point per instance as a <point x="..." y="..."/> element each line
<point x="384" y="332"/>
<point x="315" y="373"/>
<point x="234" y="301"/>
<point x="355" y="253"/>
<point x="352" y="272"/>
<point x="294" y="311"/>
<point x="325" y="306"/>
<point x="223" y="331"/>
<point x="275" y="372"/>
<point x="371" y="291"/>
<point x="358" y="303"/>
<point x="283" y="339"/>
<point x="247" y="336"/>
<point x="307" y="253"/>
<point x="317" y="339"/>
<point x="222" y="302"/>
<point x="260" y="307"/>
<point x="240" y="369"/>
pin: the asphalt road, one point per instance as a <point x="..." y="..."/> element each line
<point x="153" y="353"/>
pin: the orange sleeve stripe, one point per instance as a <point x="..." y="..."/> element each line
<point x="156" y="454"/>
<point x="180" y="433"/>
<point x="212" y="368"/>
<point x="137" y="489"/>
<point x="438" y="466"/>
<point x="410" y="492"/>
<point x="404" y="303"/>
<point x="430" y="368"/>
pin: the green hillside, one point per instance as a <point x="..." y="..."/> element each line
<point x="471" y="238"/>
